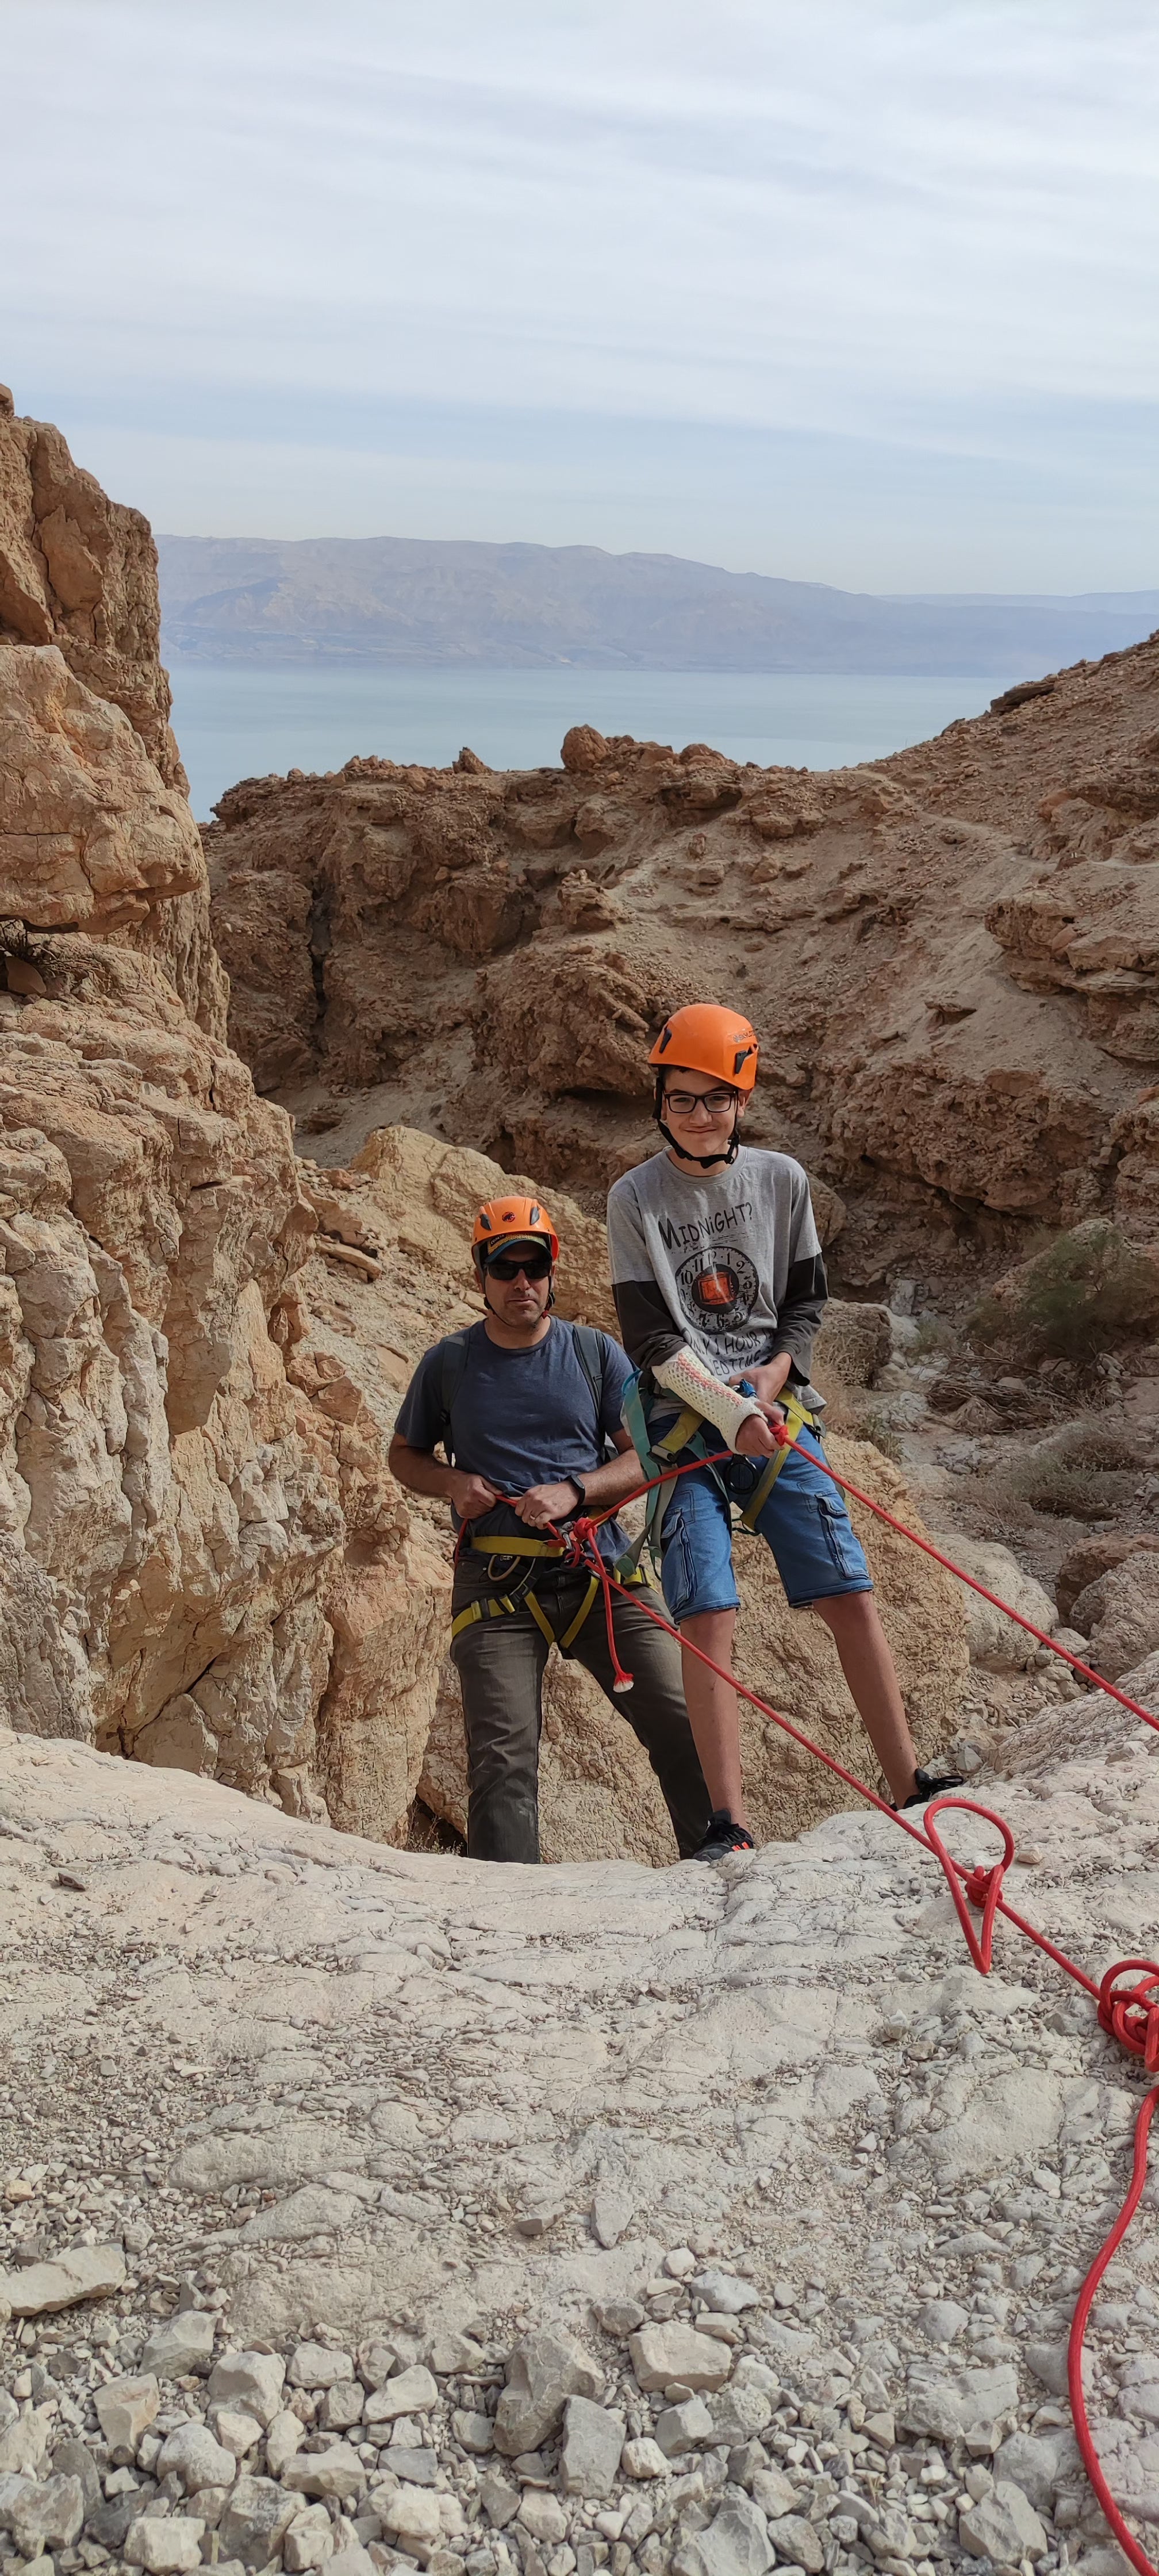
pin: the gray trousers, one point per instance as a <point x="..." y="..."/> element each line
<point x="501" y="1664"/>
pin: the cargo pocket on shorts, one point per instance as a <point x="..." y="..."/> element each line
<point x="840" y="1539"/>
<point x="677" y="1571"/>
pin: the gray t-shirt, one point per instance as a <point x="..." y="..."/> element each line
<point x="520" y="1418"/>
<point x="728" y="1263"/>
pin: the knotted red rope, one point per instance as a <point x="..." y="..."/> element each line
<point x="1129" y="2014"/>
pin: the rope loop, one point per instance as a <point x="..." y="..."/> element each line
<point x="1132" y="2017"/>
<point x="982" y="1885"/>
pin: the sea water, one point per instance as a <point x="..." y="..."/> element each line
<point x="239" y="721"/>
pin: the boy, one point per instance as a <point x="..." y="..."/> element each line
<point x="720" y="1288"/>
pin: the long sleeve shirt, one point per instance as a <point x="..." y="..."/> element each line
<point x="727" y="1265"/>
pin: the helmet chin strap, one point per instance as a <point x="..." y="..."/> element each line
<point x="705" y="1162"/>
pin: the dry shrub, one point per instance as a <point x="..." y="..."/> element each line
<point x="1087" y="1472"/>
<point x="1081" y="1294"/>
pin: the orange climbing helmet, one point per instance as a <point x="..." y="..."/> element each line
<point x="511" y="1221"/>
<point x="708" y="1039"/>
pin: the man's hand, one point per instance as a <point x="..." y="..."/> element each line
<point x="543" y="1504"/>
<point x="756" y="1438"/>
<point x="471" y="1495"/>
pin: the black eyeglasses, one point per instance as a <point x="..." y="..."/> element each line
<point x="685" y="1102"/>
<point x="529" y="1265"/>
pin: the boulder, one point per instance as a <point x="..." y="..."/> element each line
<point x="1083" y="1565"/>
<point x="997" y="1643"/>
<point x="543" y="2372"/>
<point x="1119" y="1612"/>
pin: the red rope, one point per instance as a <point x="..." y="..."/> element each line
<point x="1099" y="1680"/>
<point x="1129" y="2015"/>
<point x="1074" y="2354"/>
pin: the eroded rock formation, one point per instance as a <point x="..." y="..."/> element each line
<point x="951" y="956"/>
<point x="202" y="1559"/>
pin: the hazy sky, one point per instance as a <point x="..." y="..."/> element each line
<point x="859" y="291"/>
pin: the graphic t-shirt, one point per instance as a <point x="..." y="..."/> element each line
<point x="728" y="1262"/>
<point x="520" y="1418"/>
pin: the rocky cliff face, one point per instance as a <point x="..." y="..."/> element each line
<point x="202" y="1560"/>
<point x="951" y="956"/>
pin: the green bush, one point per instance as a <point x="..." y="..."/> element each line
<point x="1080" y="1295"/>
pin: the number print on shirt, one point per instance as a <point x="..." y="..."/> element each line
<point x="717" y="1288"/>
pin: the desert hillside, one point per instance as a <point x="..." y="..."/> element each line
<point x="424" y="602"/>
<point x="365" y="2208"/>
<point x="950" y="957"/>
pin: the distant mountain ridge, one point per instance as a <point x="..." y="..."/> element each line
<point x="415" y="601"/>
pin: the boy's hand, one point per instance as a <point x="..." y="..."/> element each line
<point x="766" y="1383"/>
<point x="543" y="1504"/>
<point x="471" y="1495"/>
<point x="755" y="1438"/>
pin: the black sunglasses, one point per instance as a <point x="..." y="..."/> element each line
<point x="533" y="1265"/>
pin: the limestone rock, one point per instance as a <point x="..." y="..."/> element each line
<point x="252" y="2380"/>
<point x="48" y="2515"/>
<point x="592" y="2441"/>
<point x="412" y="2514"/>
<point x="125" y="2409"/>
<point x="736" y="2543"/>
<point x="182" y="2344"/>
<point x="1120" y="1614"/>
<point x="410" y="2392"/>
<point x="724" y="2293"/>
<point x="664" y="2354"/>
<point x="543" y="2372"/>
<point x="84" y="2272"/>
<point x="197" y="2459"/>
<point x="1003" y="2526"/>
<point x="798" y="2543"/>
<point x="997" y="1067"/>
<point x="256" y="2520"/>
<point x="684" y="2427"/>
<point x="949" y="2401"/>
<point x="166" y="2548"/>
<point x="336" y="2472"/>
<point x="1093" y="1557"/>
<point x="993" y="1641"/>
<point x="316" y="2365"/>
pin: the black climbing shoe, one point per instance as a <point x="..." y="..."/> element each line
<point x="723" y="1837"/>
<point x="927" y="1786"/>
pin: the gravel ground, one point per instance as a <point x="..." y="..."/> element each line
<point x="420" y="2214"/>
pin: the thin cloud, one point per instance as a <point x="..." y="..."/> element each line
<point x="921" y="227"/>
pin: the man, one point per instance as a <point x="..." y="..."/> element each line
<point x="525" y="1407"/>
<point x="720" y="1287"/>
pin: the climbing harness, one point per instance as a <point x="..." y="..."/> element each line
<point x="1128" y="2012"/>
<point x="504" y="1604"/>
<point x="657" y="1459"/>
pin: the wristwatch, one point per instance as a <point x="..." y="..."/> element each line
<point x="581" y="1490"/>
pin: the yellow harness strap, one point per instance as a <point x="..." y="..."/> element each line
<point x="518" y="1546"/>
<point x="682" y="1430"/>
<point x="796" y="1419"/>
<point x="499" y="1606"/>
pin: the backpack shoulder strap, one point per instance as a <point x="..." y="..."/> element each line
<point x="589" y="1348"/>
<point x="452" y="1370"/>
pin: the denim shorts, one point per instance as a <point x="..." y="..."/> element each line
<point x="817" y="1551"/>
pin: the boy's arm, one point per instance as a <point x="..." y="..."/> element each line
<point x="806" y="1291"/>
